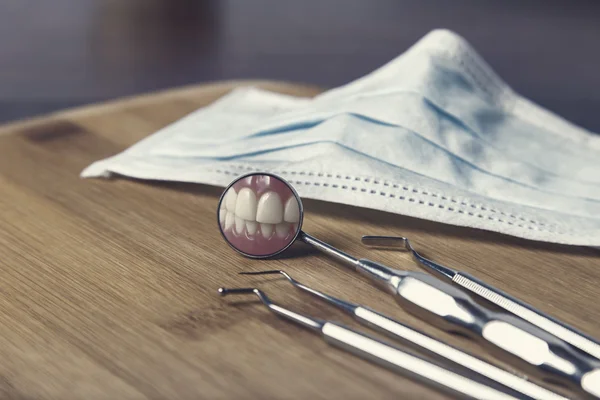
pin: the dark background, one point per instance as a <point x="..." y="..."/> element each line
<point x="62" y="53"/>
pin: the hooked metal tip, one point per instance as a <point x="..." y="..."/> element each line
<point x="393" y="242"/>
<point x="348" y="307"/>
<point x="403" y="244"/>
<point x="263" y="297"/>
<point x="273" y="272"/>
<point x="303" y="320"/>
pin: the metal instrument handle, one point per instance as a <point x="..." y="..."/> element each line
<point x="453" y="310"/>
<point x="511" y="304"/>
<point x="423" y="341"/>
<point x="405" y="363"/>
<point x="528" y="313"/>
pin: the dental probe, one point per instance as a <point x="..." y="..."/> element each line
<point x="381" y="353"/>
<point x="421" y="341"/>
<point x="494" y="295"/>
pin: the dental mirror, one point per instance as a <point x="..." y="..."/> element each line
<point x="260" y="215"/>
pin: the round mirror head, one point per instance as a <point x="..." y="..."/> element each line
<point x="260" y="215"/>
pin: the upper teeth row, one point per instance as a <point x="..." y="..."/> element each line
<point x="268" y="210"/>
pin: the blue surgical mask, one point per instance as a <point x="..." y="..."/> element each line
<point x="433" y="134"/>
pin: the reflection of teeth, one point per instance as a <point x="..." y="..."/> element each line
<point x="251" y="227"/>
<point x="282" y="229"/>
<point x="229" y="220"/>
<point x="270" y="209"/>
<point x="229" y="200"/>
<point x="292" y="211"/>
<point x="239" y="224"/>
<point x="245" y="205"/>
<point x="242" y="213"/>
<point x="266" y="229"/>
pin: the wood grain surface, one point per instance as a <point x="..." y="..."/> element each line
<point x="109" y="287"/>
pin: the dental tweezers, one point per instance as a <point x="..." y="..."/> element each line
<point x="374" y="350"/>
<point x="453" y="310"/>
<point x="421" y="341"/>
<point x="509" y="303"/>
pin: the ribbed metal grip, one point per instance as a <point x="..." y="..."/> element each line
<point x="529" y="314"/>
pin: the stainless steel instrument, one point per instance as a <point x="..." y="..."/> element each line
<point x="511" y="304"/>
<point x="260" y="215"/>
<point x="381" y="353"/>
<point x="423" y="342"/>
<point x="440" y="303"/>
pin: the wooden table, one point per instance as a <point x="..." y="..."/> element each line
<point x="109" y="287"/>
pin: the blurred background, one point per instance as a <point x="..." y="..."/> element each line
<point x="56" y="54"/>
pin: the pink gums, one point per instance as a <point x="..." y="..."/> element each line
<point x="257" y="244"/>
